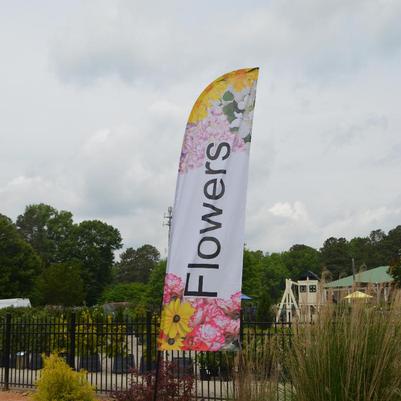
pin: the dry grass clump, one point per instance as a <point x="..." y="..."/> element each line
<point x="352" y="353"/>
<point x="258" y="370"/>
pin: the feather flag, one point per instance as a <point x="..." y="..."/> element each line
<point x="202" y="289"/>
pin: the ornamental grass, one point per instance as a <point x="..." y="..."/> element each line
<point x="351" y="353"/>
<point x="258" y="371"/>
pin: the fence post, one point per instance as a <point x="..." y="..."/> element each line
<point x="148" y="341"/>
<point x="241" y="327"/>
<point x="72" y="329"/>
<point x="7" y="351"/>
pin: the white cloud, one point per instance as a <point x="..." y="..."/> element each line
<point x="94" y="98"/>
<point x="296" y="211"/>
<point x="133" y="42"/>
<point x="23" y="190"/>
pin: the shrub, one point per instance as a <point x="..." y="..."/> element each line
<point x="170" y="387"/>
<point x="58" y="382"/>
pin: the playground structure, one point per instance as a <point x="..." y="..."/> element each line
<point x="303" y="299"/>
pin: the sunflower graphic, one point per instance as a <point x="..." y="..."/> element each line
<point x="170" y="344"/>
<point x="175" y="318"/>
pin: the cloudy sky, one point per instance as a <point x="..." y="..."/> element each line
<point x="94" y="97"/>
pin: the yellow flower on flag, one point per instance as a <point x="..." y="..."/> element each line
<point x="170" y="344"/>
<point x="239" y="80"/>
<point x="244" y="78"/>
<point x="175" y="318"/>
<point x="213" y="92"/>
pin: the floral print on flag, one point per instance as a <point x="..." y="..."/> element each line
<point x="223" y="112"/>
<point x="202" y="324"/>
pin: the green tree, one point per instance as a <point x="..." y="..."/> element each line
<point x="19" y="263"/>
<point x="94" y="243"/>
<point x="390" y="245"/>
<point x="48" y="231"/>
<point x="300" y="258"/>
<point x="395" y="271"/>
<point x="136" y="265"/>
<point x="155" y="285"/>
<point x="362" y="250"/>
<point x="274" y="273"/>
<point x="377" y="240"/>
<point x="134" y="293"/>
<point x="61" y="284"/>
<point x="251" y="273"/>
<point x="336" y="257"/>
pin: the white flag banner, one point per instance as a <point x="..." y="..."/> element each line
<point x="202" y="290"/>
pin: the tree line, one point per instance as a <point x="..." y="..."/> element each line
<point x="46" y="256"/>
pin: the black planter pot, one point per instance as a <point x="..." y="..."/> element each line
<point x="143" y="368"/>
<point x="123" y="364"/>
<point x="90" y="363"/>
<point x="13" y="360"/>
<point x="225" y="373"/>
<point x="183" y="367"/>
<point x="35" y="361"/>
<point x="19" y="360"/>
<point x="204" y="374"/>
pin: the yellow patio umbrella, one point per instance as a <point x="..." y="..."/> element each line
<point x="358" y="295"/>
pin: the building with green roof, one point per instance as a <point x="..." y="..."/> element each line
<point x="374" y="276"/>
<point x="376" y="282"/>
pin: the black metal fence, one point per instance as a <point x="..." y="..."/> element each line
<point x="117" y="352"/>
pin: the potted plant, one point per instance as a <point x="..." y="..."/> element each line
<point x="88" y="342"/>
<point x="59" y="338"/>
<point x="117" y="348"/>
<point x="208" y="366"/>
<point x="226" y="365"/>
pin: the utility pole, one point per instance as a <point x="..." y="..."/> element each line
<point x="167" y="221"/>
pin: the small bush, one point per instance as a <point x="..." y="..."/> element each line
<point x="170" y="387"/>
<point x="59" y="382"/>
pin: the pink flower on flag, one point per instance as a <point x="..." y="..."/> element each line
<point x="207" y="337"/>
<point x="215" y="127"/>
<point x="199" y="304"/>
<point x="173" y="288"/>
<point x="222" y="321"/>
<point x="232" y="306"/>
<point x="214" y="322"/>
<point x="231" y="329"/>
<point x="236" y="301"/>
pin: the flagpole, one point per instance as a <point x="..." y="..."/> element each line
<point x="168" y="217"/>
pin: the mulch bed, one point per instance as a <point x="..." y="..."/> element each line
<point x="18" y="396"/>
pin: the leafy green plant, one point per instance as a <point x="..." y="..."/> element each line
<point x="88" y="335"/>
<point x="58" y="382"/>
<point x="208" y="363"/>
<point x="116" y="338"/>
<point x="216" y="364"/>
